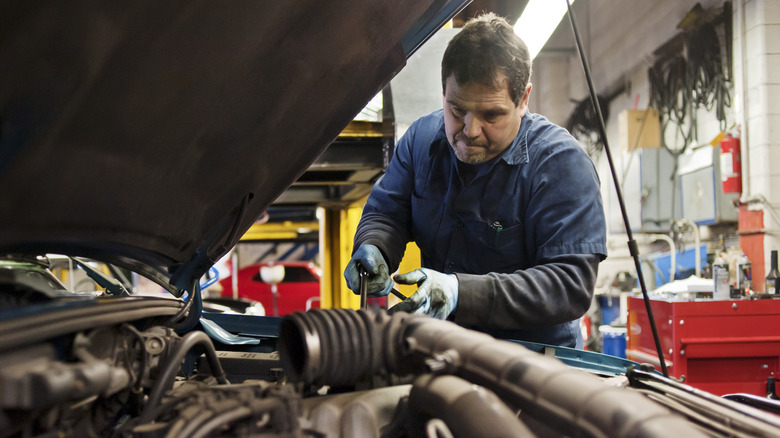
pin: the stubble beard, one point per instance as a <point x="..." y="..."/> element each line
<point x="477" y="156"/>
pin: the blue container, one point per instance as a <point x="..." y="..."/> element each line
<point x="610" y="308"/>
<point x="613" y="340"/>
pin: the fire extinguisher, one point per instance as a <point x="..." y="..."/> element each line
<point x="730" y="164"/>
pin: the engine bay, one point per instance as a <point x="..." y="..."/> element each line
<point x="329" y="373"/>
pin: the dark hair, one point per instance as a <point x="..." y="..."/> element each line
<point x="486" y="47"/>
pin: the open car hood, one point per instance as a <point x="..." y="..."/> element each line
<point x="155" y="133"/>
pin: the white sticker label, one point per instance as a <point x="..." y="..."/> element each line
<point x="726" y="167"/>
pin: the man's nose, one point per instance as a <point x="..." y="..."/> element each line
<point x="471" y="126"/>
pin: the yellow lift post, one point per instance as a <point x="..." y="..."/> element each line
<point x="337" y="225"/>
<point x="337" y="232"/>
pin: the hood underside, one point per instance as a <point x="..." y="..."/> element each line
<point x="157" y="132"/>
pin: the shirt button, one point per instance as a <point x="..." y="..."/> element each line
<point x="450" y="265"/>
<point x="460" y="224"/>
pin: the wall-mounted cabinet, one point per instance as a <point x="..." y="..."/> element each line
<point x="647" y="176"/>
<point x="653" y="198"/>
<point x="702" y="192"/>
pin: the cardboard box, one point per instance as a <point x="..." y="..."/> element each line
<point x="630" y="121"/>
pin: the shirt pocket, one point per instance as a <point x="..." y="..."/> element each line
<point x="495" y="247"/>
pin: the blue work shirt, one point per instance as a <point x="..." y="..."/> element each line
<point x="538" y="201"/>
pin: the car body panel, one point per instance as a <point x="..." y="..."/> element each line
<point x="297" y="292"/>
<point x="159" y="131"/>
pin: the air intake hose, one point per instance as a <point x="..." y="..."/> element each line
<point x="334" y="347"/>
<point x="339" y="346"/>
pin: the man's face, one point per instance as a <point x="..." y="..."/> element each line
<point x="481" y="122"/>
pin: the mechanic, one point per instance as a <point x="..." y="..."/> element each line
<point x="503" y="204"/>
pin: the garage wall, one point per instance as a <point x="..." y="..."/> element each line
<point x="757" y="68"/>
<point x="619" y="38"/>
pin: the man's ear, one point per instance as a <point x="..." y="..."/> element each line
<point x="523" y="105"/>
<point x="524" y="100"/>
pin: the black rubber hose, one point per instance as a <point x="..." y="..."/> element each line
<point x="189" y="315"/>
<point x="334" y="347"/>
<point x="166" y="377"/>
<point x="470" y="411"/>
<point x="569" y="400"/>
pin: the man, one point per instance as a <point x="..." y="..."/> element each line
<point x="504" y="205"/>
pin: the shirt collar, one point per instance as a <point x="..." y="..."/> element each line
<point x="517" y="152"/>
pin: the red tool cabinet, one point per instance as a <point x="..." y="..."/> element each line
<point x="722" y="347"/>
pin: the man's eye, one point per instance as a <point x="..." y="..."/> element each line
<point x="457" y="111"/>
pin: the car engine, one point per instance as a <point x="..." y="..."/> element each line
<point x="334" y="373"/>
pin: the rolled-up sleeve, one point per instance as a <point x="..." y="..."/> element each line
<point x="565" y="213"/>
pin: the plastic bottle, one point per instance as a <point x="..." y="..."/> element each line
<point x="720" y="277"/>
<point x="744" y="275"/>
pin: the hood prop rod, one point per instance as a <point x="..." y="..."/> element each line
<point x="632" y="245"/>
<point x="189" y="314"/>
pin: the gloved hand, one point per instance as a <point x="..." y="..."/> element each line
<point x="370" y="258"/>
<point x="436" y="295"/>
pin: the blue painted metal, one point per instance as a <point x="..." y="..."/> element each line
<point x="212" y="280"/>
<point x="215" y="331"/>
<point x="598" y="363"/>
<point x="311" y="251"/>
<point x="247" y="325"/>
<point x="290" y="251"/>
<point x="429" y="23"/>
<point x="685" y="261"/>
<point x="270" y="250"/>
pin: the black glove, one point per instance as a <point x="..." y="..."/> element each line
<point x="371" y="259"/>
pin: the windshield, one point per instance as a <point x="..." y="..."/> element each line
<point x="60" y="276"/>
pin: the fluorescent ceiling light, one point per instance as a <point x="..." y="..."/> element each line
<point x="538" y="22"/>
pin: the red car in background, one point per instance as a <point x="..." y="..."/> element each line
<point x="299" y="290"/>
